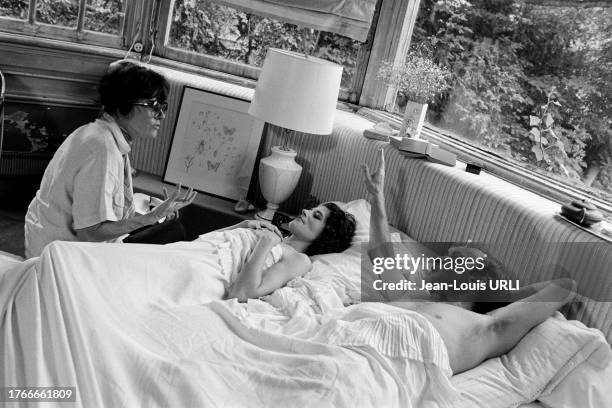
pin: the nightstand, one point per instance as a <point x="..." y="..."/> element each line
<point x="205" y="214"/>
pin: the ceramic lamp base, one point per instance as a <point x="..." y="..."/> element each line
<point x="268" y="213"/>
<point x="278" y="176"/>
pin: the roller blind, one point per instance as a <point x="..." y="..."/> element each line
<point x="351" y="18"/>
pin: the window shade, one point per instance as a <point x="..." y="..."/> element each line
<point x="351" y="18"/>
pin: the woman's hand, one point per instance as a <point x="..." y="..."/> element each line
<point x="260" y="225"/>
<point x="174" y="214"/>
<point x="375" y="182"/>
<point x="270" y="237"/>
<point x="170" y="206"/>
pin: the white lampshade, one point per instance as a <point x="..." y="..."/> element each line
<point x="297" y="92"/>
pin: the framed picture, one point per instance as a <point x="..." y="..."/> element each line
<point x="214" y="144"/>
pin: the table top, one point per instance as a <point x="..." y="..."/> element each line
<point x="153" y="185"/>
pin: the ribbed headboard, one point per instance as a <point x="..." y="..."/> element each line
<point x="436" y="203"/>
<point x="430" y="202"/>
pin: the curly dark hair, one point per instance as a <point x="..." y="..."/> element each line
<point x="125" y="82"/>
<point x="336" y="235"/>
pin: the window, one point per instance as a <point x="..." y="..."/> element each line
<point x="98" y="22"/>
<point x="16" y="9"/>
<point x="528" y="82"/>
<point x="235" y="41"/>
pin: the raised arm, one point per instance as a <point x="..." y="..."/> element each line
<point x="380" y="245"/>
<point x="375" y="184"/>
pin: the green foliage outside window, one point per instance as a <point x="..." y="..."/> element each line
<point x="14" y="8"/>
<point x="507" y="58"/>
<point x="204" y="27"/>
<point x="57" y="12"/>
<point x="104" y="16"/>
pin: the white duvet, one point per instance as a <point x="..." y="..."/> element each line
<point x="130" y="326"/>
<point x="133" y="325"/>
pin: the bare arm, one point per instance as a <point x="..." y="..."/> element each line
<point x="380" y="245"/>
<point x="255" y="281"/>
<point x="107" y="230"/>
<point x="375" y="184"/>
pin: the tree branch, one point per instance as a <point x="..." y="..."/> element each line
<point x="569" y="3"/>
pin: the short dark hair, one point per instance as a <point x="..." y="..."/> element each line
<point x="125" y="82"/>
<point x="336" y="235"/>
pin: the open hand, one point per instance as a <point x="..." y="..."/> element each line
<point x="171" y="204"/>
<point x="375" y="182"/>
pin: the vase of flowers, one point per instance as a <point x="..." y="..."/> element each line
<point x="419" y="79"/>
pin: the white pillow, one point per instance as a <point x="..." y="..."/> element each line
<point x="360" y="209"/>
<point x="342" y="270"/>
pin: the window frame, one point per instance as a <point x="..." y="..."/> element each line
<point x="388" y="40"/>
<point x="79" y="34"/>
<point x="351" y="94"/>
<point x="545" y="186"/>
<point x="194" y="58"/>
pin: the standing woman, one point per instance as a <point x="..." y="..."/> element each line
<point x="86" y="192"/>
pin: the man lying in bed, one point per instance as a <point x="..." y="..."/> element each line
<point x="470" y="338"/>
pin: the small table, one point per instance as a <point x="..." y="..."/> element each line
<point x="205" y="214"/>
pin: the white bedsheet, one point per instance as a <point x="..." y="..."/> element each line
<point x="127" y="325"/>
<point x="560" y="363"/>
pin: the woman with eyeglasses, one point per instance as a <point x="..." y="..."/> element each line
<point x="86" y="192"/>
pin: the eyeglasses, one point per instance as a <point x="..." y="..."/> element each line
<point x="159" y="108"/>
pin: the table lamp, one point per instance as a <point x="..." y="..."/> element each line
<point x="296" y="92"/>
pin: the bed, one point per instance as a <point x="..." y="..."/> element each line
<point x="138" y="325"/>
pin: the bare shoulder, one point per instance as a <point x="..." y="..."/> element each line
<point x="295" y="258"/>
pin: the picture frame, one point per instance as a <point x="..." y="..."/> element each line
<point x="214" y="144"/>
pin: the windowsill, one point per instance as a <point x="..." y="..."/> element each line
<point x="496" y="165"/>
<point x="60" y="44"/>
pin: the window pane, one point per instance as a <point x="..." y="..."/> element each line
<point x="204" y="27"/>
<point x="530" y="83"/>
<point x="57" y="12"/>
<point x="14" y="8"/>
<point x="105" y="16"/>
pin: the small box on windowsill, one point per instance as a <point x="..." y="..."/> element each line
<point x="421" y="148"/>
<point x="473" y="168"/>
<point x="380" y="131"/>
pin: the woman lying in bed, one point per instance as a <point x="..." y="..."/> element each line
<point x="274" y="261"/>
<point x="470" y="338"/>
